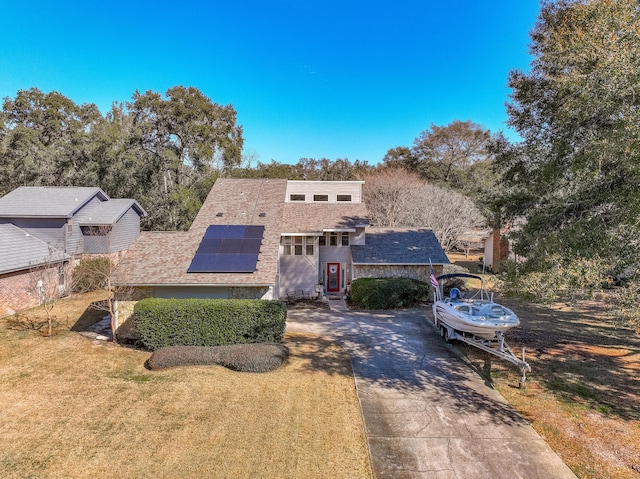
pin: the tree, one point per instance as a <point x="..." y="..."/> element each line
<point x="443" y="152"/>
<point x="48" y="280"/>
<point x="397" y="198"/>
<point x="401" y="156"/>
<point x="46" y="138"/>
<point x="187" y="138"/>
<point x="573" y="179"/>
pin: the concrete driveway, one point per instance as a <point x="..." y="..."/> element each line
<point x="427" y="414"/>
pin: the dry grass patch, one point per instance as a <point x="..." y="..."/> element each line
<point x="583" y="396"/>
<point x="76" y="408"/>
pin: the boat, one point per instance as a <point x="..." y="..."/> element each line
<point x="477" y="315"/>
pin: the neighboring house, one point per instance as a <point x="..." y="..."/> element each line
<point x="69" y="218"/>
<point x="63" y="222"/>
<point x="266" y="238"/>
<point x="25" y="261"/>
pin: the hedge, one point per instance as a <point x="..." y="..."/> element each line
<point x="254" y="358"/>
<point x="208" y="322"/>
<point x="388" y="293"/>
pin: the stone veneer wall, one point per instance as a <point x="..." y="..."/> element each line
<point x="251" y="293"/>
<point x="126" y="300"/>
<point x="420" y="272"/>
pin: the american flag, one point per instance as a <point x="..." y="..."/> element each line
<point x="432" y="277"/>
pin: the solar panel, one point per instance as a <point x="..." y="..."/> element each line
<point x="254" y="231"/>
<point x="225" y="231"/>
<point x="230" y="246"/>
<point x="209" y="246"/>
<point x="228" y="249"/>
<point x="250" y="246"/>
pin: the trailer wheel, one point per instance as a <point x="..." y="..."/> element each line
<point x="444" y="332"/>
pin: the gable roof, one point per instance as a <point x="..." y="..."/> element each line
<point x="109" y="212"/>
<point x="47" y="201"/>
<point x="21" y="251"/>
<point x="162" y="258"/>
<point x="417" y="246"/>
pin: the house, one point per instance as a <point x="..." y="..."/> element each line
<point x="49" y="227"/>
<point x="265" y="238"/>
<point x="24" y="262"/>
<point x="70" y="218"/>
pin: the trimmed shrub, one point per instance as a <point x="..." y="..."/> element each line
<point x="255" y="358"/>
<point x="208" y="322"/>
<point x="388" y="293"/>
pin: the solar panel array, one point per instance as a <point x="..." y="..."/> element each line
<point x="228" y="249"/>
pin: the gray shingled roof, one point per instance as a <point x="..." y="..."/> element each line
<point x="47" y="201"/>
<point x="399" y="246"/>
<point x="108" y="212"/>
<point x="21" y="251"/>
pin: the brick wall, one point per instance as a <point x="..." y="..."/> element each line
<point x="19" y="290"/>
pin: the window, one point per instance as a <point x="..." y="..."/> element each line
<point x="345" y="239"/>
<point x="298" y="245"/>
<point x="320" y="197"/>
<point x="297" y="241"/>
<point x="309" y="241"/>
<point x="333" y="239"/>
<point x="322" y="241"/>
<point x="296" y="197"/>
<point x="95" y="230"/>
<point x="286" y="242"/>
<point x="343" y="198"/>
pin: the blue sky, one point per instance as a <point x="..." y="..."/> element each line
<point x="308" y="78"/>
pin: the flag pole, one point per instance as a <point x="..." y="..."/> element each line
<point x="434" y="282"/>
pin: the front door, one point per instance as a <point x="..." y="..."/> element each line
<point x="333" y="277"/>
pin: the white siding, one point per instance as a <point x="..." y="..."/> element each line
<point x="330" y="188"/>
<point x="298" y="272"/>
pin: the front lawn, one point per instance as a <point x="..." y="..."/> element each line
<point x="77" y="408"/>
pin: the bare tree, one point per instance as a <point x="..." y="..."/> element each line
<point x="396" y="198"/>
<point x="388" y="193"/>
<point x="48" y="281"/>
<point x="96" y="274"/>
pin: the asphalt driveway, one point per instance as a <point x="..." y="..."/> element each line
<point x="427" y="414"/>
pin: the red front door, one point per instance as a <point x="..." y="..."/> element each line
<point x="333" y="277"/>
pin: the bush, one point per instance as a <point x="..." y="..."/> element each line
<point x="255" y="358"/>
<point x="91" y="274"/>
<point x="567" y="279"/>
<point x="388" y="293"/>
<point x="208" y="322"/>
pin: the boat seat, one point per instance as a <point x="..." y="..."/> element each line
<point x="463" y="308"/>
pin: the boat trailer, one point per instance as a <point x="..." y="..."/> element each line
<point x="498" y="346"/>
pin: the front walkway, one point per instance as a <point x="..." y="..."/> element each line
<point x="427" y="414"/>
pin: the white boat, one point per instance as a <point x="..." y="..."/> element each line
<point x="478" y="315"/>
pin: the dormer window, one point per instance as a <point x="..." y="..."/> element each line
<point x="297" y="198"/>
<point x="320" y="197"/>
<point x="343" y="198"/>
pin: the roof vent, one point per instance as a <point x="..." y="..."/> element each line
<point x="219" y="214"/>
<point x="262" y="215"/>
